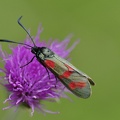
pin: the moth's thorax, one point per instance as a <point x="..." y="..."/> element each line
<point x="41" y="56"/>
<point x="42" y="52"/>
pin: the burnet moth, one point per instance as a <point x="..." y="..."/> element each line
<point x="76" y="81"/>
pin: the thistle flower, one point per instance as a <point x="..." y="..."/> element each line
<point x="31" y="84"/>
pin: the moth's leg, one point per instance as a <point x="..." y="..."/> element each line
<point x="49" y="75"/>
<point x="47" y="71"/>
<point x="56" y="81"/>
<point x="28" y="62"/>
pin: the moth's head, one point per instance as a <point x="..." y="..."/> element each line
<point x="35" y="50"/>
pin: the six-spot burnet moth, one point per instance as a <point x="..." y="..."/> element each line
<point x="76" y="81"/>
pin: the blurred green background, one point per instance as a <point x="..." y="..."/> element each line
<point x="97" y="24"/>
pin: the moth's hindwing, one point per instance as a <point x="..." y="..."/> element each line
<point x="76" y="81"/>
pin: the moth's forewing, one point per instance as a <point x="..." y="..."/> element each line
<point x="75" y="80"/>
<point x="75" y="69"/>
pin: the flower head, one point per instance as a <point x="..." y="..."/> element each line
<point x="31" y="84"/>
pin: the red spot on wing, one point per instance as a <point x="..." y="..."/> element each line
<point x="50" y="63"/>
<point x="74" y="85"/>
<point x="80" y="84"/>
<point x="66" y="74"/>
<point x="69" y="68"/>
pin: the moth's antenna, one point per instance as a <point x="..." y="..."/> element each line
<point x="26" y="30"/>
<point x="4" y="40"/>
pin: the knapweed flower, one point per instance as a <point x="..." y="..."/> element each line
<point x="31" y="84"/>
